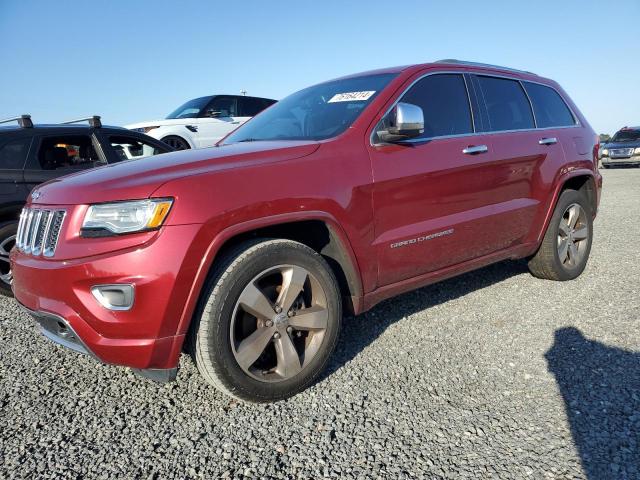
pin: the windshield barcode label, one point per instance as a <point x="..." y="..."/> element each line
<point x="351" y="97"/>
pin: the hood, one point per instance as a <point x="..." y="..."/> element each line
<point x="634" y="144"/>
<point x="136" y="179"/>
<point x="160" y="123"/>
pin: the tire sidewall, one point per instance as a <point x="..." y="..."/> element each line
<point x="569" y="197"/>
<point x="217" y="315"/>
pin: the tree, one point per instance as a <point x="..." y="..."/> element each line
<point x="604" y="137"/>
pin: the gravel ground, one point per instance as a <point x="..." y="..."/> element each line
<point x="493" y="374"/>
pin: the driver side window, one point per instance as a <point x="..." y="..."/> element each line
<point x="225" y="106"/>
<point x="445" y="105"/>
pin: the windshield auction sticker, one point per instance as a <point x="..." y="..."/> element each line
<point x="351" y="97"/>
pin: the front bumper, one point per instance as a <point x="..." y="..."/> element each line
<point x="621" y="161"/>
<point x="58" y="294"/>
<point x="58" y="330"/>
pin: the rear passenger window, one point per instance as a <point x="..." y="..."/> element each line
<point x="13" y="154"/>
<point x="549" y="107"/>
<point x="445" y="104"/>
<point x="250" y="107"/>
<point x="507" y="105"/>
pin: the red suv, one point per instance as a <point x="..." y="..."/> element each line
<point x="337" y="197"/>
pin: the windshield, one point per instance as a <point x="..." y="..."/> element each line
<point x="626" y="136"/>
<point x="315" y="113"/>
<point x="191" y="109"/>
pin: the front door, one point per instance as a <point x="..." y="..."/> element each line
<point x="448" y="196"/>
<point x="221" y="118"/>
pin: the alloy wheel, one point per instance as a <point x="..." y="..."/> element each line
<point x="5" y="269"/>
<point x="573" y="236"/>
<point x="176" y="143"/>
<point x="279" y="322"/>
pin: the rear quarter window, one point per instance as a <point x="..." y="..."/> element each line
<point x="507" y="105"/>
<point x="549" y="107"/>
<point x="14" y="153"/>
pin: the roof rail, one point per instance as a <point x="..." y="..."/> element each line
<point x="94" y="121"/>
<point x="23" y="120"/>
<point x="478" y="64"/>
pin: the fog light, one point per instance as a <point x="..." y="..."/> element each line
<point x="114" y="297"/>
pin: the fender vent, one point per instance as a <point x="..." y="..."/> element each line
<point x="38" y="231"/>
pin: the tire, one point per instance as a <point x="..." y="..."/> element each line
<point x="226" y="325"/>
<point x="557" y="259"/>
<point x="606" y="166"/>
<point x="176" y="142"/>
<point x="8" y="232"/>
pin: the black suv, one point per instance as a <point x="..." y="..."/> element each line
<point x="623" y="149"/>
<point x="31" y="154"/>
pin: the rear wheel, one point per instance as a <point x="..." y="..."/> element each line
<point x="566" y="245"/>
<point x="177" y="143"/>
<point x="7" y="242"/>
<point x="269" y="321"/>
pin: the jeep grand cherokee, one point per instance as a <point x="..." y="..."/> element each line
<point x="337" y="197"/>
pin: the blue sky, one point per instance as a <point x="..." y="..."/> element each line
<point x="138" y="60"/>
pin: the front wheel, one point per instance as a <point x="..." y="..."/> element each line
<point x="7" y="242"/>
<point x="177" y="143"/>
<point x="566" y="245"/>
<point x="268" y="322"/>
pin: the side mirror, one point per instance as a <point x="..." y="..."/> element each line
<point x="405" y="121"/>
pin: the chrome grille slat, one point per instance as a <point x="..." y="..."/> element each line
<point x="37" y="216"/>
<point x="27" y="238"/>
<point x="621" y="152"/>
<point x="38" y="231"/>
<point x="20" y="229"/>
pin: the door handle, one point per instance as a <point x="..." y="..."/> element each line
<point x="474" y="149"/>
<point x="548" y="141"/>
<point x="235" y="123"/>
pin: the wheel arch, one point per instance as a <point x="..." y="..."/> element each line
<point x="172" y="132"/>
<point x="582" y="180"/>
<point x="318" y="230"/>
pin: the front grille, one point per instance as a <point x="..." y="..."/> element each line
<point x="38" y="231"/>
<point x="620" y="152"/>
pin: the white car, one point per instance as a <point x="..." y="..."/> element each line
<point x="203" y="121"/>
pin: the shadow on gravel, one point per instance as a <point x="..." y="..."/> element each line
<point x="358" y="332"/>
<point x="601" y="390"/>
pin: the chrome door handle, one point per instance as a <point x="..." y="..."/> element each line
<point x="548" y="141"/>
<point x="472" y="150"/>
<point x="235" y="123"/>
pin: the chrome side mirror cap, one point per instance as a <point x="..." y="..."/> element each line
<point x="403" y="122"/>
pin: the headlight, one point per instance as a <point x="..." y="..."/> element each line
<point x="144" y="129"/>
<point x="125" y="217"/>
<point x="637" y="151"/>
<point x="605" y="153"/>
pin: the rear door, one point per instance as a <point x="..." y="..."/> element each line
<point x="534" y="154"/>
<point x="438" y="198"/>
